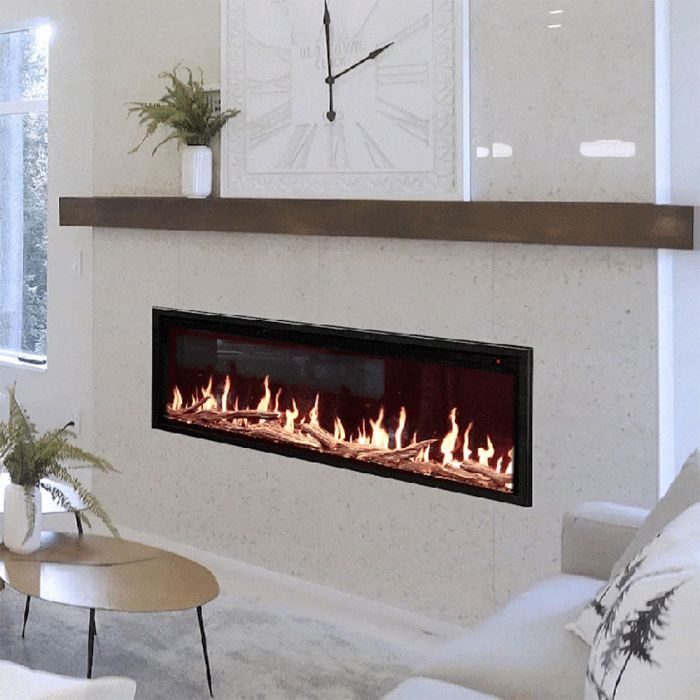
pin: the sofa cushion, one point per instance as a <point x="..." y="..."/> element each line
<point x="523" y="651"/>
<point x="420" y="688"/>
<point x="677" y="545"/>
<point x="647" y="644"/>
<point x="21" y="683"/>
<point x="682" y="493"/>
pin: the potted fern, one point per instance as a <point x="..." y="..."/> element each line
<point x="189" y="115"/>
<point x="29" y="458"/>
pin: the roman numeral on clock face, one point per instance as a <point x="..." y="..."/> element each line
<point x="410" y="29"/>
<point x="297" y="151"/>
<point x="402" y="74"/>
<point x="261" y="128"/>
<point x="376" y="155"/>
<point x="270" y="86"/>
<point x="411" y="123"/>
<point x="338" y="156"/>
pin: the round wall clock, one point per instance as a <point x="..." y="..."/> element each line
<point x="343" y="99"/>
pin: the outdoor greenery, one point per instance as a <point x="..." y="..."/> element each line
<point x="23" y="193"/>
<point x="184" y="109"/>
<point x="35" y="85"/>
<point x="29" y="457"/>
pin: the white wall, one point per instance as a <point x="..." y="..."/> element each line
<point x="685" y="101"/>
<point x="686" y="343"/>
<point x="685" y="188"/>
<point x="64" y="389"/>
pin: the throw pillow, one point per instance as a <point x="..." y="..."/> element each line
<point x="677" y="544"/>
<point x="683" y="493"/>
<point x="647" y="645"/>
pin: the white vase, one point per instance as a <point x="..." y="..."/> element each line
<point x="15" y="523"/>
<point x="196" y="171"/>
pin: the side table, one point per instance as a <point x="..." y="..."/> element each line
<point x="109" y="573"/>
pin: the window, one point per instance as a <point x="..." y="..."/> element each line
<point x="23" y="192"/>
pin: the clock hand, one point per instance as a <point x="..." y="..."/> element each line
<point x="372" y="54"/>
<point x="330" y="114"/>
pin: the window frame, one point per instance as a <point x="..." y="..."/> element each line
<point x="18" y="358"/>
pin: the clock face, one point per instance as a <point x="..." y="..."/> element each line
<point x="361" y="104"/>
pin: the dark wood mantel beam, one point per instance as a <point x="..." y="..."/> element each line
<point x="558" y="223"/>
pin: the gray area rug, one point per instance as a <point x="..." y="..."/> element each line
<point x="256" y="651"/>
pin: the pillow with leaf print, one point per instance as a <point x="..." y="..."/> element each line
<point x="647" y="645"/>
<point x="679" y="540"/>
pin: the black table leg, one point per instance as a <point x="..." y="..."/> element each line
<point x="79" y="525"/>
<point x="204" y="647"/>
<point x="26" y="614"/>
<point x="91" y="641"/>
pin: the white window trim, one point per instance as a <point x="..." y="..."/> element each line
<point x="23" y="106"/>
<point x="23" y="24"/>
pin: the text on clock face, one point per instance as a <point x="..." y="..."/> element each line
<point x="342" y="52"/>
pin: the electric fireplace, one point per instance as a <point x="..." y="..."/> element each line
<point x="451" y="414"/>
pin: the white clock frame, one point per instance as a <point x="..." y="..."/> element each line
<point x="449" y="177"/>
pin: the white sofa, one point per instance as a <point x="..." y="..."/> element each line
<point x="21" y="683"/>
<point x="524" y="650"/>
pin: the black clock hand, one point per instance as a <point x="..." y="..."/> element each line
<point x="330" y="114"/>
<point x="372" y="54"/>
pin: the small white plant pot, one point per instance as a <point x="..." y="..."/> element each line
<point x="196" y="171"/>
<point x="15" y="523"/>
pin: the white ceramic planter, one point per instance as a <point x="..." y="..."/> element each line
<point x="15" y="524"/>
<point x="196" y="171"/>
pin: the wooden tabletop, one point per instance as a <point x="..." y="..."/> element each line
<point x="108" y="573"/>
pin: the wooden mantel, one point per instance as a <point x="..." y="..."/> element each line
<point x="559" y="223"/>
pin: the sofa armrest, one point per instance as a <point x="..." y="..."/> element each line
<point x="595" y="534"/>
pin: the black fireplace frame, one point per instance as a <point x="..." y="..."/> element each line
<point x="516" y="360"/>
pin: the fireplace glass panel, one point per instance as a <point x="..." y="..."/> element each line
<point x="451" y="414"/>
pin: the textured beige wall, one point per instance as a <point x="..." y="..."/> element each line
<point x="136" y="40"/>
<point x="544" y="90"/>
<point x="589" y="313"/>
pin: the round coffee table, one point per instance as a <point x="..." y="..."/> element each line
<point x="109" y="573"/>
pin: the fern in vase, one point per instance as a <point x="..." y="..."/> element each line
<point x="29" y="458"/>
<point x="184" y="109"/>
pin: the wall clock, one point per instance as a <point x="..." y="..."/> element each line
<point x="356" y="99"/>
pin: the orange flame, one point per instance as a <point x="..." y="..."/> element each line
<point x="449" y="442"/>
<point x="362" y="438"/>
<point x="264" y="403"/>
<point x="466" y="452"/>
<point x="176" y="403"/>
<point x="313" y="413"/>
<point x="399" y="429"/>
<point x="224" y="396"/>
<point x="486" y="454"/>
<point x="338" y="429"/>
<point x="375" y="435"/>
<point x="380" y="437"/>
<point x="276" y="405"/>
<point x="210" y="404"/>
<point x="290" y="417"/>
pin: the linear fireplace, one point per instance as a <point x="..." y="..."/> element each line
<point x="451" y="414"/>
